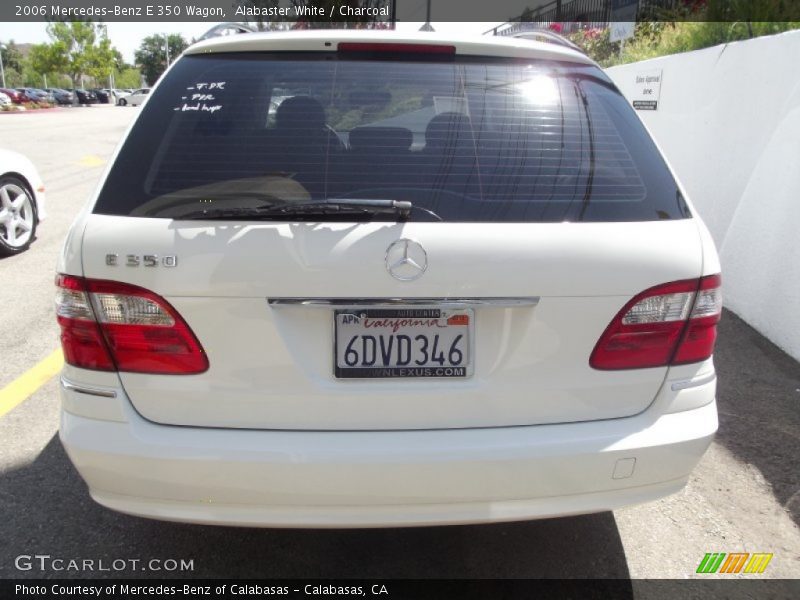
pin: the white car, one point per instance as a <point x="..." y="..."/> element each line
<point x="452" y="280"/>
<point x="22" y="202"/>
<point x="4" y="99"/>
<point x="135" y="98"/>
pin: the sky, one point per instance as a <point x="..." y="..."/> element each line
<point x="126" y="37"/>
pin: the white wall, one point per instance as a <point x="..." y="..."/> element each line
<point x="728" y="120"/>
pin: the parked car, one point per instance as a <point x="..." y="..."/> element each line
<point x="4" y="99"/>
<point x="103" y="96"/>
<point x="117" y="93"/>
<point x="45" y="96"/>
<point x="453" y="282"/>
<point x="22" y="202"/>
<point x="135" y="98"/>
<point x="25" y="96"/>
<point x="13" y="94"/>
<point x="35" y="95"/>
<point x="84" y="96"/>
<point x="62" y="97"/>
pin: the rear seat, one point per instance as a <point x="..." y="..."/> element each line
<point x="379" y="157"/>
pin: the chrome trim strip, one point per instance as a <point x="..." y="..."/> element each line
<point x="690" y="383"/>
<point x="91" y="391"/>
<point x="323" y="302"/>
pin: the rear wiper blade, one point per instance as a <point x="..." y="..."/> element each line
<point x="322" y="207"/>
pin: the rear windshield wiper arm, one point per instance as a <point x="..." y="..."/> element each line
<point x="402" y="208"/>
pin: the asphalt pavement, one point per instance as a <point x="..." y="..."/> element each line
<point x="743" y="497"/>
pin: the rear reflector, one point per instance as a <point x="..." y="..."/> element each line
<point x="396" y="48"/>
<point x="674" y="323"/>
<point x="108" y="326"/>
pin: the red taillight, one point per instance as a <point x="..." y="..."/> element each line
<point x="108" y="326"/>
<point x="395" y="48"/>
<point x="701" y="331"/>
<point x="674" y="323"/>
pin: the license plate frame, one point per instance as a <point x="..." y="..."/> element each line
<point x="413" y="371"/>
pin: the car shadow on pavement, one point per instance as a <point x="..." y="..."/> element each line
<point x="758" y="398"/>
<point x="48" y="511"/>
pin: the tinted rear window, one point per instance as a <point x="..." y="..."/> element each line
<point x="468" y="139"/>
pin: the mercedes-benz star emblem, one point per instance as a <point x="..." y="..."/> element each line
<point x="406" y="260"/>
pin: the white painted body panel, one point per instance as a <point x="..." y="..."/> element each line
<point x="322" y="40"/>
<point x="373" y="479"/>
<point x="136" y="98"/>
<point x="274" y="365"/>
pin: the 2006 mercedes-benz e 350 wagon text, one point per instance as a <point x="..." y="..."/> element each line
<point x="348" y="279"/>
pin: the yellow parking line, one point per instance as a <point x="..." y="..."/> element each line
<point x="26" y="384"/>
<point x="91" y="160"/>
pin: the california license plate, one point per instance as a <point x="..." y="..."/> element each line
<point x="403" y="342"/>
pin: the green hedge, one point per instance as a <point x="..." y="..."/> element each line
<point x="655" y="39"/>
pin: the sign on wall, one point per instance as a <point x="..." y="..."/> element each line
<point x="623" y="19"/>
<point x="647" y="90"/>
<point x="621" y="30"/>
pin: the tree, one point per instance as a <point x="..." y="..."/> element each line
<point x="12" y="63"/>
<point x="78" y="49"/>
<point x="102" y="60"/>
<point x="119" y="61"/>
<point x="12" y="58"/>
<point x="128" y="78"/>
<point x="44" y="59"/>
<point x="151" y="57"/>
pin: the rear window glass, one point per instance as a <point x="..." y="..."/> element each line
<point x="465" y="139"/>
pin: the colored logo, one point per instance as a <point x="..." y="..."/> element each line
<point x="735" y="562"/>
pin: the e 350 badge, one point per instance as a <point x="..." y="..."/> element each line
<point x="142" y="260"/>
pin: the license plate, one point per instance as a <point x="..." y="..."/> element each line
<point x="403" y="342"/>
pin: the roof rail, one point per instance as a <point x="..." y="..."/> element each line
<point x="227" y="29"/>
<point x="548" y="36"/>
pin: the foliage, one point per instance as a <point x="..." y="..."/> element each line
<point x="595" y="42"/>
<point x="26" y="106"/>
<point x="12" y="58"/>
<point x="151" y="57"/>
<point x="77" y="49"/>
<point x="654" y="39"/>
<point x="128" y="78"/>
<point x="12" y="63"/>
<point x="103" y="59"/>
<point x="37" y="105"/>
<point x="44" y="59"/>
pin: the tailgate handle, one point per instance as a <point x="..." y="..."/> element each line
<point x="504" y="302"/>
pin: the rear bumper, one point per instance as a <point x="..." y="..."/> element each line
<point x="388" y="478"/>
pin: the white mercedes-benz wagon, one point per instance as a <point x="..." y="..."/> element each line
<point x="344" y="279"/>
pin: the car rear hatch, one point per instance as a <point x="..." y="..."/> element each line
<point x="540" y="208"/>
